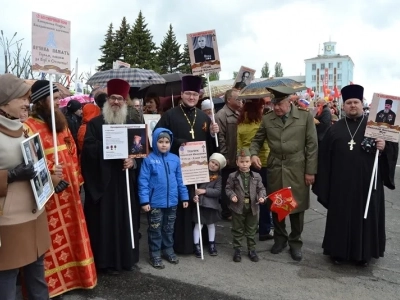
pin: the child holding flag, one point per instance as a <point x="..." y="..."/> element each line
<point x="245" y="190"/>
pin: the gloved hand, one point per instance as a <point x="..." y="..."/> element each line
<point x="62" y="185"/>
<point x="22" y="172"/>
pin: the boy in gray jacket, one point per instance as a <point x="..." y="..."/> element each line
<point x="245" y="190"/>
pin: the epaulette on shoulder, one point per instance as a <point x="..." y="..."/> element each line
<point x="268" y="112"/>
<point x="303" y="108"/>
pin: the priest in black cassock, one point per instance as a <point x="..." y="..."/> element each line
<point x="345" y="164"/>
<point x="106" y="201"/>
<point x="188" y="124"/>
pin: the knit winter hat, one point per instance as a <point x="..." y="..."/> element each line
<point x="73" y="106"/>
<point x="220" y="159"/>
<point x="41" y="89"/>
<point x="164" y="135"/>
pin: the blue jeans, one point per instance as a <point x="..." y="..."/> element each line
<point x="265" y="223"/>
<point x="161" y="231"/>
<point x="34" y="279"/>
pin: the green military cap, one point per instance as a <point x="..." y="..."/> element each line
<point x="279" y="93"/>
<point x="243" y="152"/>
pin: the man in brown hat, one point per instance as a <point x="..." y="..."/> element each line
<point x="345" y="164"/>
<point x="292" y="162"/>
<point x="188" y="123"/>
<point x="106" y="203"/>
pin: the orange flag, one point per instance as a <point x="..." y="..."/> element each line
<point x="282" y="202"/>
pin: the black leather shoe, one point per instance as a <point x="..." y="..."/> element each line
<point x="362" y="263"/>
<point x="237" y="257"/>
<point x="296" y="254"/>
<point x="253" y="256"/>
<point x="337" y="261"/>
<point x="278" y="248"/>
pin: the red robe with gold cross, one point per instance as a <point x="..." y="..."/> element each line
<point x="69" y="263"/>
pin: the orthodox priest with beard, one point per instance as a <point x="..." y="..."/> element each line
<point x="69" y="262"/>
<point x="106" y="203"/>
<point x="345" y="164"/>
<point x="188" y="124"/>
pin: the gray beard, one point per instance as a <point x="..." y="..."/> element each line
<point x="386" y="110"/>
<point x="118" y="117"/>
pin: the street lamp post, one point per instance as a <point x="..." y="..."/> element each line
<point x="6" y="47"/>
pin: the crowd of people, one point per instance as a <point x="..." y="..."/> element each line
<point x="265" y="143"/>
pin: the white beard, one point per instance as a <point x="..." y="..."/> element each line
<point x="386" y="110"/>
<point x="115" y="117"/>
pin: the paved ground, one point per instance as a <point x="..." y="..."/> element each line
<point x="274" y="277"/>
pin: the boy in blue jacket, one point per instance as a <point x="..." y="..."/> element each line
<point x="160" y="189"/>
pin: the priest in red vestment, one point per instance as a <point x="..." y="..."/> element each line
<point x="69" y="262"/>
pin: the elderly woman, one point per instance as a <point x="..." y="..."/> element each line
<point x="152" y="104"/>
<point x="24" y="233"/>
<point x="248" y="123"/>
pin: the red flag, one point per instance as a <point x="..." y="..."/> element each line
<point x="337" y="94"/>
<point x="282" y="202"/>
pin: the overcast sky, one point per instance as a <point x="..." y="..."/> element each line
<point x="249" y="32"/>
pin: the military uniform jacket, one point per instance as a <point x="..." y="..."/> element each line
<point x="294" y="152"/>
<point x="235" y="187"/>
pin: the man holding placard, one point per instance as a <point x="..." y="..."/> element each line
<point x="106" y="203"/>
<point x="64" y="209"/>
<point x="345" y="167"/>
<point x="187" y="124"/>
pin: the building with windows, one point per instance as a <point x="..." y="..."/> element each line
<point x="329" y="68"/>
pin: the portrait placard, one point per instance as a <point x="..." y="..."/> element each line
<point x="244" y="77"/>
<point x="194" y="163"/>
<point x="42" y="185"/>
<point x="120" y="64"/>
<point x="203" y="52"/>
<point x="51" y="44"/>
<point x="151" y="121"/>
<point x="125" y="141"/>
<point x="382" y="121"/>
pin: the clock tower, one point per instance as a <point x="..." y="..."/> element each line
<point x="329" y="48"/>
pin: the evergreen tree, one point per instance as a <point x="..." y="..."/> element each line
<point x="142" y="50"/>
<point x="185" y="61"/>
<point x="108" y="51"/>
<point x="265" y="71"/>
<point x="169" y="56"/>
<point x="122" y="40"/>
<point x="278" y="70"/>
<point x="235" y="73"/>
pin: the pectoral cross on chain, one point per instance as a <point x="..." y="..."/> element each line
<point x="351" y="143"/>
<point x="192" y="132"/>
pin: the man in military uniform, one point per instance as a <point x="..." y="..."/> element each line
<point x="203" y="53"/>
<point x="386" y="115"/>
<point x="292" y="162"/>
